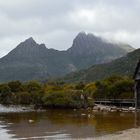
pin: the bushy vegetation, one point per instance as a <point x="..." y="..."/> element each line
<point x="114" y="87"/>
<point x="59" y="94"/>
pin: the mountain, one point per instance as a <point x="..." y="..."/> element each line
<point x="88" y="49"/>
<point x="24" y="62"/>
<point x="33" y="61"/>
<point x="122" y="66"/>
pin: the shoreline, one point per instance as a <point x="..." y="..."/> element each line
<point x="129" y="134"/>
<point x="99" y="107"/>
<point x="95" y="108"/>
<point x="17" y="109"/>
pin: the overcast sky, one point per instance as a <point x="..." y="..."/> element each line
<point x="57" y="22"/>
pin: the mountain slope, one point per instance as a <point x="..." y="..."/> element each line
<point x="88" y="49"/>
<point x="33" y="61"/>
<point x="24" y="62"/>
<point x="122" y="66"/>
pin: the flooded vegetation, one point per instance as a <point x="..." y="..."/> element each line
<point x="64" y="124"/>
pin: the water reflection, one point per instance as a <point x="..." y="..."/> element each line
<point x="64" y="124"/>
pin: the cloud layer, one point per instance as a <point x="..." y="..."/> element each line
<point x="56" y="23"/>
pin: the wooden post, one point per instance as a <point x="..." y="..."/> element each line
<point x="135" y="92"/>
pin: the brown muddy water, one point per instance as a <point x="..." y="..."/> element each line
<point x="64" y="124"/>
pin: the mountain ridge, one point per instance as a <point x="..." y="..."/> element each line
<point x="122" y="66"/>
<point x="33" y="61"/>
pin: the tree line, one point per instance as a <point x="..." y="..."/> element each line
<point x="56" y="94"/>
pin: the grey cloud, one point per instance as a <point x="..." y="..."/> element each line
<point x="56" y="23"/>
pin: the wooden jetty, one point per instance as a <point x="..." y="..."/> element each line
<point x="117" y="102"/>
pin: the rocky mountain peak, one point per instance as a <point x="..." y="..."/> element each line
<point x="30" y="45"/>
<point x="81" y="34"/>
<point x="30" y="42"/>
<point x="28" y="48"/>
<point x="30" y="39"/>
<point x="85" y="43"/>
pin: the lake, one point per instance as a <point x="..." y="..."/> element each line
<point x="64" y="124"/>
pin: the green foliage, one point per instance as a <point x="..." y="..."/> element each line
<point x="23" y="98"/>
<point x="80" y="86"/>
<point x="15" y="86"/>
<point x="69" y="99"/>
<point x="58" y="94"/>
<point x="5" y="94"/>
<point x="33" y="86"/>
<point x="122" y="89"/>
<point x="114" y="87"/>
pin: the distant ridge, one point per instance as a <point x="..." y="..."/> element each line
<point x="33" y="61"/>
<point x="122" y="66"/>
